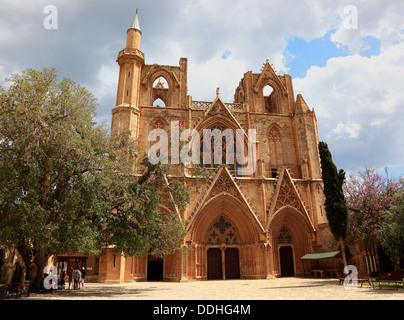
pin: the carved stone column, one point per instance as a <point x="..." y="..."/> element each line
<point x="183" y="263"/>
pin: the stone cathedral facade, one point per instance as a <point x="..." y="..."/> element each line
<point x="248" y="227"/>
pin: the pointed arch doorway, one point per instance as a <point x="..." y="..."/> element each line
<point x="287" y="265"/>
<point x="155" y="268"/>
<point x="286" y="261"/>
<point x="216" y="268"/>
<point x="223" y="260"/>
<point x="225" y="222"/>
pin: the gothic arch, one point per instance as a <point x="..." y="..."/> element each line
<point x="297" y="224"/>
<point x="157" y="72"/>
<point x="276" y="93"/>
<point x="158" y="92"/>
<point x="159" y="102"/>
<point x="228" y="138"/>
<point x="160" y="84"/>
<point x="291" y="216"/>
<point x="275" y="132"/>
<point x="158" y="123"/>
<point x="284" y="236"/>
<point x="222" y="232"/>
<point x="217" y="120"/>
<point x="300" y="232"/>
<point x="222" y="122"/>
<point x="275" y="147"/>
<point x="231" y="207"/>
<point x="270" y="100"/>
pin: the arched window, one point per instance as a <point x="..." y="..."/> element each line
<point x="160" y="83"/>
<point x="158" y="103"/>
<point x="284" y="236"/>
<point x="274" y="134"/>
<point x="269" y="96"/>
<point x="218" y="146"/>
<point x="158" y="123"/>
<point x="267" y="91"/>
<point x="275" y="149"/>
<point x="160" y="92"/>
<point x="222" y="232"/>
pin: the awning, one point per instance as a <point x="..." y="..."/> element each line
<point x="320" y="255"/>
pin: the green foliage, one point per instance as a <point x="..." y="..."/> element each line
<point x="51" y="156"/>
<point x="144" y="212"/>
<point x="66" y="186"/>
<point x="335" y="205"/>
<point x="391" y="231"/>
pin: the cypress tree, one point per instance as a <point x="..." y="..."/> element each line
<point x="335" y="204"/>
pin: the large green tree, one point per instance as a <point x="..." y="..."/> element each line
<point x="66" y="186"/>
<point x="335" y="205"/>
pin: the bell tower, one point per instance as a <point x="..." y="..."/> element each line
<point x="125" y="115"/>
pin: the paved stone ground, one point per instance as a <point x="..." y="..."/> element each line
<point x="270" y="289"/>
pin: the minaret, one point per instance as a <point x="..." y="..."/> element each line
<point x="125" y="115"/>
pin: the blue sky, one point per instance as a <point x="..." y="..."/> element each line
<point x="304" y="54"/>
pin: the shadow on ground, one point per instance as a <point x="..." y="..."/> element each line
<point x="106" y="292"/>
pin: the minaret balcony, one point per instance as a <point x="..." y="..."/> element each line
<point x="131" y="52"/>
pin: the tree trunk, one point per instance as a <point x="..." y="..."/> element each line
<point x="25" y="253"/>
<point x="343" y="252"/>
<point x="40" y="260"/>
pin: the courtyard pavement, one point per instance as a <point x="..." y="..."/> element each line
<point x="268" y="289"/>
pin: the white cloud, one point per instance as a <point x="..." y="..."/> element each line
<point x="359" y="103"/>
<point x="380" y="19"/>
<point x="346" y="130"/>
<point x="108" y="81"/>
<point x="215" y="73"/>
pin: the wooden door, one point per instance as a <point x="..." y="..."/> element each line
<point x="232" y="263"/>
<point x="214" y="264"/>
<point x="286" y="259"/>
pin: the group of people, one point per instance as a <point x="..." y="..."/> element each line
<point x="77" y="277"/>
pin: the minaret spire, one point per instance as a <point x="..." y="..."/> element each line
<point x="135" y="23"/>
<point x="134" y="34"/>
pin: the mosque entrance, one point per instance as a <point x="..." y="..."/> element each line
<point x="155" y="268"/>
<point x="286" y="259"/>
<point x="216" y="268"/>
<point x="223" y="257"/>
<point x="215" y="264"/>
<point x="232" y="263"/>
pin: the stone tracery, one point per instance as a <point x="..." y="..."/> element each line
<point x="222" y="232"/>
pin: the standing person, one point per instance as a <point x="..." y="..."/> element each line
<point x="83" y="274"/>
<point x="76" y="278"/>
<point x="70" y="274"/>
<point x="62" y="279"/>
